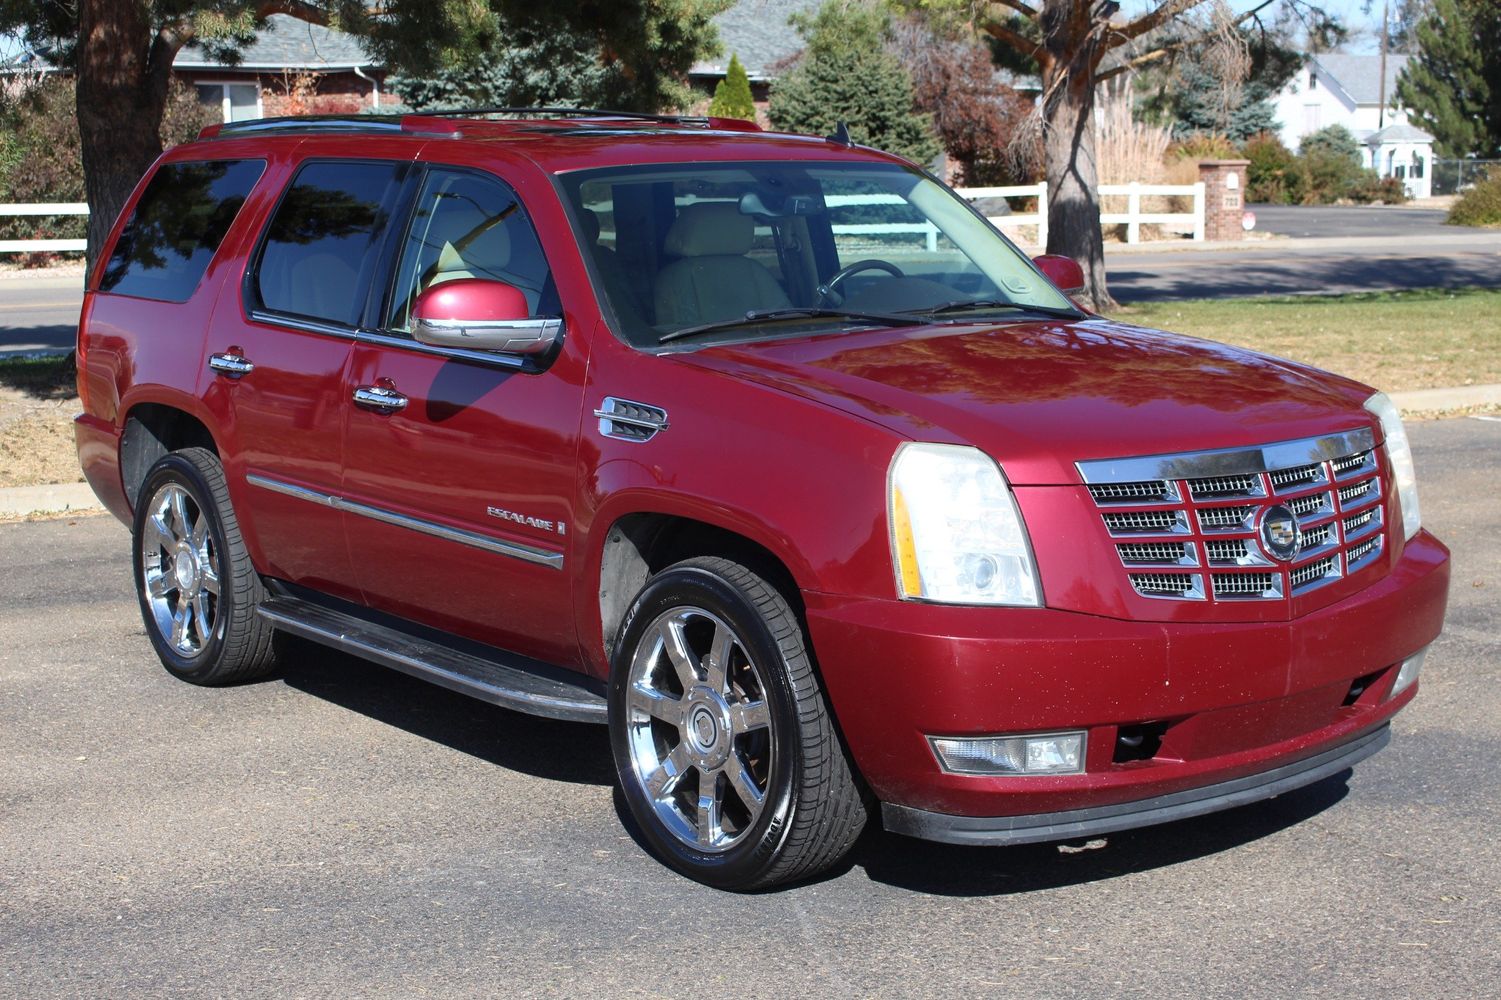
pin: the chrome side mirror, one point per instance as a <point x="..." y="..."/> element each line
<point x="481" y="315"/>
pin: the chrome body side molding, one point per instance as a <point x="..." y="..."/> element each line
<point x="526" y="553"/>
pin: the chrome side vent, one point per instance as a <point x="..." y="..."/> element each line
<point x="630" y="421"/>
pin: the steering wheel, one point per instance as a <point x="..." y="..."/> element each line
<point x="828" y="292"/>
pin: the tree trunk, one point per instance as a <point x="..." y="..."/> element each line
<point x="123" y="71"/>
<point x="1068" y="143"/>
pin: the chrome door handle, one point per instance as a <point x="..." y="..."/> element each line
<point x="230" y="364"/>
<point x="378" y="397"/>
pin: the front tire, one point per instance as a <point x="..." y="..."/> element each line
<point x="197" y="587"/>
<point x="725" y="750"/>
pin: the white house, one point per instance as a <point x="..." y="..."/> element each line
<point x="1338" y="89"/>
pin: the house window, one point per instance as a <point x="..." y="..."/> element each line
<point x="1310" y="118"/>
<point x="237" y="101"/>
<point x="1417" y="167"/>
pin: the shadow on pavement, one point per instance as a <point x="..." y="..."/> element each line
<point x="57" y="337"/>
<point x="544" y="748"/>
<point x="1206" y="278"/>
<point x="578" y="753"/>
<point x="946" y="870"/>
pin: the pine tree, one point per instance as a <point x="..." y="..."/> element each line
<point x="846" y="74"/>
<point x="732" y="95"/>
<point x="1452" y="87"/>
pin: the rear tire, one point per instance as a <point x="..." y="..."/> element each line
<point x="197" y="588"/>
<point x="725" y="749"/>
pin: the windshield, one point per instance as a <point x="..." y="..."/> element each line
<point x="690" y="254"/>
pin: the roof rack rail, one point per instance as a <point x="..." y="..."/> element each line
<point x="701" y="121"/>
<point x="306" y="123"/>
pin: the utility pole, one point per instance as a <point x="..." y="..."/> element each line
<point x="1385" y="21"/>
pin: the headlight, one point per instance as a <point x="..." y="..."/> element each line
<point x="956" y="535"/>
<point x="1399" y="454"/>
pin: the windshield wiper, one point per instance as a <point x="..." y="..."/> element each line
<point x="960" y="305"/>
<point x="754" y="316"/>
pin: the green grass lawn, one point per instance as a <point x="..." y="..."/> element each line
<point x="1392" y="340"/>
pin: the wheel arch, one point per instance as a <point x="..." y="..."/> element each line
<point x="640" y="543"/>
<point x="152" y="429"/>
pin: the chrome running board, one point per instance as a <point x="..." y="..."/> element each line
<point x="505" y="679"/>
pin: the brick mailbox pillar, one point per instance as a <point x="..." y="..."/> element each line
<point x="1224" y="198"/>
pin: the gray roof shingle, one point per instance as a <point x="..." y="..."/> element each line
<point x="286" y="43"/>
<point x="1360" y="76"/>
<point x="759" y="33"/>
<point x="1398" y="133"/>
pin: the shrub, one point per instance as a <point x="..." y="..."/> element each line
<point x="1480" y="205"/>
<point x="1273" y="175"/>
<point x="1205" y="146"/>
<point x="1371" y="188"/>
<point x="732" y="95"/>
<point x="1332" y="140"/>
<point x="1328" y="177"/>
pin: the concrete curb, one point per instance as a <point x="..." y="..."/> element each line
<point x="27" y="501"/>
<point x="1452" y="398"/>
<point x="63" y="498"/>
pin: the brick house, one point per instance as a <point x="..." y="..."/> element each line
<point x="292" y="67"/>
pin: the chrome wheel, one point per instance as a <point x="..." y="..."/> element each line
<point x="180" y="570"/>
<point x="699" y="729"/>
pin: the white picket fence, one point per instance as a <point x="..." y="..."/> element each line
<point x="43" y="208"/>
<point x="1133" y="218"/>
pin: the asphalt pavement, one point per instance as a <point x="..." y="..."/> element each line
<point x="1323" y="221"/>
<point x="39" y="314"/>
<point x="342" y="830"/>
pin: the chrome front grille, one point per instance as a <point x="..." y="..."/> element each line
<point x="1188" y="527"/>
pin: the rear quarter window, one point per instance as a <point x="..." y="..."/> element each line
<point x="176" y="228"/>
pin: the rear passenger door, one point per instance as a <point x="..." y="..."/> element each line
<point x="279" y="355"/>
<point x="462" y="494"/>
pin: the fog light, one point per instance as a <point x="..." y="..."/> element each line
<point x="1409" y="672"/>
<point x="1047" y="753"/>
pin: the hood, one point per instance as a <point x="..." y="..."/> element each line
<point x="1040" y="396"/>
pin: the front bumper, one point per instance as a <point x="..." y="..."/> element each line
<point x="1076" y="823"/>
<point x="1238" y="701"/>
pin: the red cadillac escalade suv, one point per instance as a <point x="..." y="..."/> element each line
<point x="765" y="450"/>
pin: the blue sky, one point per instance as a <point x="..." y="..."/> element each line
<point x="1364" y="26"/>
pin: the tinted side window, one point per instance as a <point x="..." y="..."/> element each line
<point x="320" y="244"/>
<point x="176" y="228"/>
<point x="466" y="225"/>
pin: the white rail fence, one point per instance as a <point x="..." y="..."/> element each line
<point x="1133" y="218"/>
<point x="43" y="208"/>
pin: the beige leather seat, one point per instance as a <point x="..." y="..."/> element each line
<point x="712" y="279"/>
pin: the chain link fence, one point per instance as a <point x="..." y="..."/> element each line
<point x="1453" y="176"/>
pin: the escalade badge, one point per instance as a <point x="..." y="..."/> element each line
<point x="1280" y="535"/>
